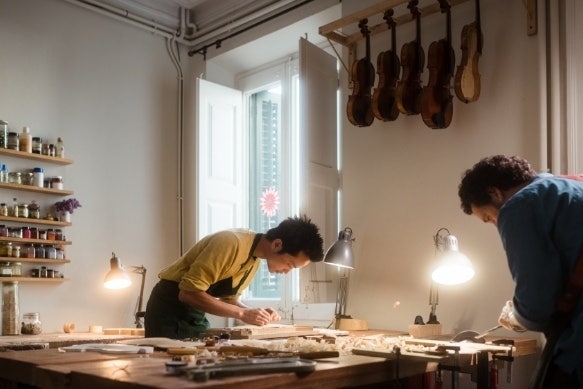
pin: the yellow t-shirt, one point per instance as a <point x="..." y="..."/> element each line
<point x="221" y="256"/>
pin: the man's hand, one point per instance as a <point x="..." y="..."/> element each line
<point x="274" y="315"/>
<point x="508" y="320"/>
<point x="257" y="316"/>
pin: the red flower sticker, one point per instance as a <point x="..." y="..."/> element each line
<point x="269" y="202"/>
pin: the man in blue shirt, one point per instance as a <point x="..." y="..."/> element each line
<point x="540" y="220"/>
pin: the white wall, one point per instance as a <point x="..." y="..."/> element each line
<point x="401" y="178"/>
<point x="110" y="90"/>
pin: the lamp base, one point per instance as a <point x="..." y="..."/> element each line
<point x="424" y="330"/>
<point x="349" y="324"/>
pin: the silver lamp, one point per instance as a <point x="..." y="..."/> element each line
<point x="341" y="255"/>
<point x="118" y="278"/>
<point x="453" y="267"/>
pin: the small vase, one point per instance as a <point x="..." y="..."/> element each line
<point x="65" y="216"/>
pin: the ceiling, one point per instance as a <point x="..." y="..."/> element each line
<point x="203" y="23"/>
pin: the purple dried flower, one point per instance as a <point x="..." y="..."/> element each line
<point x="67" y="205"/>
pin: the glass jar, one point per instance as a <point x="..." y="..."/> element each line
<point x="34" y="210"/>
<point x="31" y="324"/>
<point x="13" y="141"/>
<point x="10" y="308"/>
<point x="3" y="209"/>
<point x="22" y="210"/>
<point x="57" y="182"/>
<point x="14" y="178"/>
<point x="50" y="252"/>
<point x="5" y="249"/>
<point x="5" y="269"/>
<point x="37" y="145"/>
<point x="16" y="269"/>
<point x="27" y="178"/>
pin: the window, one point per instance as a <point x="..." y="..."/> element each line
<point x="276" y="135"/>
<point x="269" y="111"/>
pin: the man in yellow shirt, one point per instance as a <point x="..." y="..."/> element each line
<point x="210" y="277"/>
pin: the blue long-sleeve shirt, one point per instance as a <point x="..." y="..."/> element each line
<point x="541" y="227"/>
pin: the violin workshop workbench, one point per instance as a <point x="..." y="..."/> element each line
<point x="52" y="368"/>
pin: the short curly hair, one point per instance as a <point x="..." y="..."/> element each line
<point x="298" y="234"/>
<point x="498" y="171"/>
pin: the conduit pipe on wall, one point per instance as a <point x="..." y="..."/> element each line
<point x="125" y="16"/>
<point x="171" y="47"/>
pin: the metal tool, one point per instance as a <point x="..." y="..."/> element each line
<point x="488" y="331"/>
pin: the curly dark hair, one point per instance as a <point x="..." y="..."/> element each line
<point x="298" y="234"/>
<point x="498" y="171"/>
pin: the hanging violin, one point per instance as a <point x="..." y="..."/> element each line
<point x="412" y="61"/>
<point x="467" y="77"/>
<point x="436" y="98"/>
<point x="384" y="102"/>
<point x="359" y="107"/>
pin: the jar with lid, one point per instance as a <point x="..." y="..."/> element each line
<point x="10" y="308"/>
<point x="5" y="269"/>
<point x="38" y="178"/>
<point x="14" y="178"/>
<point x="16" y="269"/>
<point x="27" y="178"/>
<point x="29" y="251"/>
<point x="3" y="209"/>
<point x="31" y="324"/>
<point x="33" y="210"/>
<point x="5" y="249"/>
<point x="3" y="134"/>
<point x="57" y="182"/>
<point x="50" y="234"/>
<point x="3" y="230"/>
<point x="13" y="142"/>
<point x="37" y="145"/>
<point x="50" y="252"/>
<point x="22" y="210"/>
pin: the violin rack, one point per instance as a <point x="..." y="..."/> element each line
<point x="331" y="32"/>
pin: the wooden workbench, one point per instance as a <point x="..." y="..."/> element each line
<point x="53" y="369"/>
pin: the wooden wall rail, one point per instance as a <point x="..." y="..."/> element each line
<point x="331" y="30"/>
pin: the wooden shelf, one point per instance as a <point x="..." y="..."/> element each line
<point x="36" y="241"/>
<point x="36" y="157"/>
<point x="33" y="279"/>
<point x="26" y="220"/>
<point x="331" y="30"/>
<point x="38" y="189"/>
<point x="35" y="260"/>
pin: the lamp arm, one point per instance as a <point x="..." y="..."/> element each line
<point x="142" y="271"/>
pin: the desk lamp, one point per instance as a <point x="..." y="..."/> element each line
<point x="117" y="278"/>
<point x="452" y="268"/>
<point x="341" y="255"/>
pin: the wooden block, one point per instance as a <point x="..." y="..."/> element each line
<point x="350" y="324"/>
<point x="424" y="330"/>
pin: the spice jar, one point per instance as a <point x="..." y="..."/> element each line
<point x="13" y="141"/>
<point x="5" y="269"/>
<point x="22" y="210"/>
<point x="33" y="210"/>
<point x="16" y="269"/>
<point x="57" y="182"/>
<point x="5" y="249"/>
<point x="3" y="209"/>
<point x="31" y="324"/>
<point x="37" y="145"/>
<point x="14" y="178"/>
